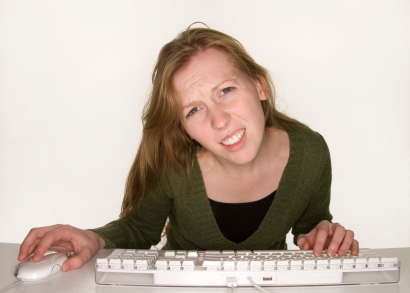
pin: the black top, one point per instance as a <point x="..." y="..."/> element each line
<point x="238" y="221"/>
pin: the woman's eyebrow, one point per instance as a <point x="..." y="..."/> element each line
<point x="230" y="78"/>
<point x="190" y="104"/>
<point x="225" y="80"/>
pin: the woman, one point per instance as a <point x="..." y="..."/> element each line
<point x="219" y="161"/>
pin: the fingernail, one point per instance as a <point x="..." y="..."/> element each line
<point x="67" y="267"/>
<point x="331" y="251"/>
<point x="342" y="252"/>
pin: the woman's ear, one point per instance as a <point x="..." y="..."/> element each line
<point x="262" y="88"/>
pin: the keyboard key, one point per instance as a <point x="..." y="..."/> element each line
<point x="215" y="252"/>
<point x="243" y="252"/>
<point x="373" y="262"/>
<point x="242" y="265"/>
<point x="389" y="262"/>
<point x="283" y="265"/>
<point x="115" y="263"/>
<point x="189" y="264"/>
<point x="102" y="263"/>
<point x="309" y="264"/>
<point x="180" y="254"/>
<point x="335" y="264"/>
<point x="142" y="264"/>
<point x="296" y="265"/>
<point x="348" y="263"/>
<point x="192" y="253"/>
<point x="255" y="265"/>
<point x="229" y="265"/>
<point x="169" y="253"/>
<point x="162" y="264"/>
<point x="269" y="265"/>
<point x="361" y="262"/>
<point x="175" y="264"/>
<point x="212" y="264"/>
<point x="128" y="264"/>
<point x="322" y="264"/>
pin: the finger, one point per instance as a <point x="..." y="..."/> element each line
<point x="309" y="238"/>
<point x="31" y="238"/>
<point x="33" y="246"/>
<point x="77" y="261"/>
<point x="303" y="242"/>
<point x="22" y="256"/>
<point x="347" y="243"/>
<point x="64" y="244"/>
<point x="339" y="236"/>
<point x="322" y="233"/>
<point x="355" y="247"/>
<point x="51" y="238"/>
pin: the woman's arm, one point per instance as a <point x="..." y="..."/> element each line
<point x="140" y="231"/>
<point x="143" y="229"/>
<point x="314" y="230"/>
<point x="84" y="243"/>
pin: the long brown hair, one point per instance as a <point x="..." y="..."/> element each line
<point x="165" y="146"/>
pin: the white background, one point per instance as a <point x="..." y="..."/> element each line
<point x="74" y="76"/>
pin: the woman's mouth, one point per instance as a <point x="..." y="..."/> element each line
<point x="234" y="138"/>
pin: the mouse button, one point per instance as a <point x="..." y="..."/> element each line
<point x="57" y="258"/>
<point x="59" y="250"/>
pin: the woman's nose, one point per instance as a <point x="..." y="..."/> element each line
<point x="219" y="118"/>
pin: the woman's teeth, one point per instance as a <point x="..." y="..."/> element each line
<point x="235" y="138"/>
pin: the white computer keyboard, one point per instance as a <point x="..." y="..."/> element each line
<point x="242" y="268"/>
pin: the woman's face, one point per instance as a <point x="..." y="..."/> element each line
<point x="221" y="107"/>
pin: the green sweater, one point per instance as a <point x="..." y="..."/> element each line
<point x="301" y="202"/>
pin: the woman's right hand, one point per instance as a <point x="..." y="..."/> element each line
<point x="84" y="243"/>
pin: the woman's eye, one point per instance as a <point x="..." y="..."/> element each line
<point x="192" y="112"/>
<point x="226" y="90"/>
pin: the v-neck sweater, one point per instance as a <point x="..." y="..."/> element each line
<point x="302" y="200"/>
<point x="238" y="221"/>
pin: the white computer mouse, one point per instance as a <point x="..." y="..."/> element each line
<point x="49" y="265"/>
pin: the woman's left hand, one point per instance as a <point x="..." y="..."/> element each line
<point x="332" y="236"/>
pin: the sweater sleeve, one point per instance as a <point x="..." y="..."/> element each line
<point x="318" y="207"/>
<point x="144" y="228"/>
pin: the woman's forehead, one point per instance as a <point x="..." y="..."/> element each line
<point x="207" y="68"/>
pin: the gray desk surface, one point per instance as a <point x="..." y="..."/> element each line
<point x="82" y="279"/>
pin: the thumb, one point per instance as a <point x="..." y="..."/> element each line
<point x="303" y="242"/>
<point x="76" y="261"/>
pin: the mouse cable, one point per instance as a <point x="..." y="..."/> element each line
<point x="9" y="287"/>
<point x="257" y="286"/>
